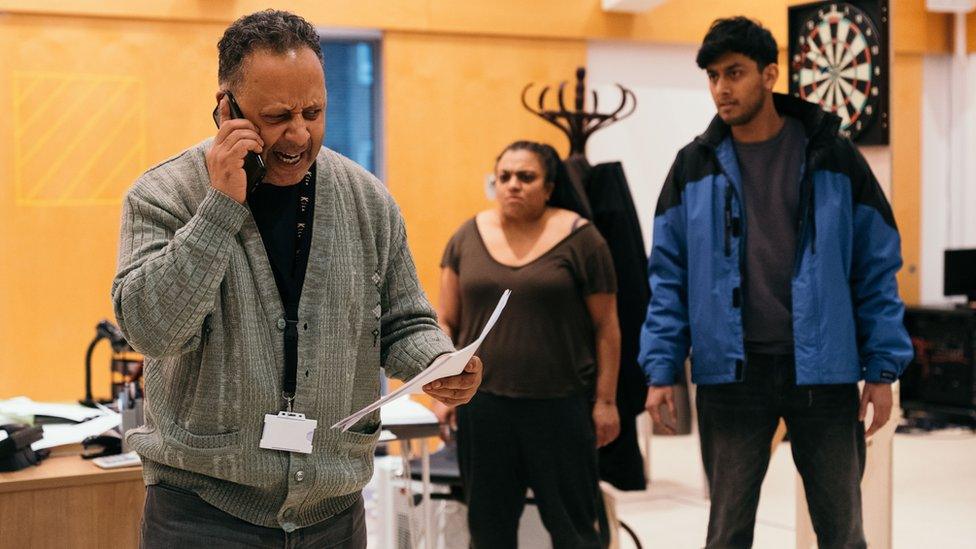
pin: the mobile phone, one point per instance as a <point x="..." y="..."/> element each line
<point x="253" y="164"/>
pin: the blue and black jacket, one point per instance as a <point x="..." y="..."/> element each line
<point x="847" y="316"/>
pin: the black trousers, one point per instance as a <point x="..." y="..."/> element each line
<point x="737" y="422"/>
<point x="174" y="518"/>
<point x="506" y="445"/>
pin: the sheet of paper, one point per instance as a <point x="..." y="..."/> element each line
<point x="23" y="406"/>
<point x="447" y="365"/>
<point x="61" y="434"/>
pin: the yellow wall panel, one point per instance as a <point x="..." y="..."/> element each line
<point x="971" y="31"/>
<point x="69" y="113"/>
<point x="90" y="105"/>
<point x="915" y="30"/>
<point x="385" y="14"/>
<point x="906" y="170"/>
<point x="451" y="104"/>
<point x="675" y="21"/>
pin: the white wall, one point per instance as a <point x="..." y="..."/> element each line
<point x="948" y="206"/>
<point x="673" y="106"/>
<point x="935" y="174"/>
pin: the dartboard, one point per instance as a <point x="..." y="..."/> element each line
<point x="838" y="59"/>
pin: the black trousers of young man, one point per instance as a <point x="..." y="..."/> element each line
<point x="506" y="445"/>
<point x="737" y="422"/>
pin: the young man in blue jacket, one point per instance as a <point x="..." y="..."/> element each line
<point x="774" y="261"/>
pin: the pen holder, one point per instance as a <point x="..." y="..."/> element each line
<point x="132" y="417"/>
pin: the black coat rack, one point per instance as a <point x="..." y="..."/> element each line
<point x="578" y="124"/>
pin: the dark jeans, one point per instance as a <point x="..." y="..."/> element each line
<point x="506" y="445"/>
<point x="737" y="421"/>
<point x="180" y="519"/>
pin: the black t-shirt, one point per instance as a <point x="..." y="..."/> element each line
<point x="771" y="192"/>
<point x="544" y="346"/>
<point x="275" y="211"/>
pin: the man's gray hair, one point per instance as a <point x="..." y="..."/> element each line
<point x="273" y="30"/>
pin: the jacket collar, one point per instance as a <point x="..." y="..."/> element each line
<point x="819" y="124"/>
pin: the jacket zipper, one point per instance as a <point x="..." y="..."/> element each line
<point x="728" y="219"/>
<point x="801" y="222"/>
<point x="813" y="219"/>
<point x="808" y="213"/>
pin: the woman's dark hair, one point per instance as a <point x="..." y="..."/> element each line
<point x="556" y="176"/>
<point x="274" y="30"/>
<point x="737" y="35"/>
<point x="547" y="156"/>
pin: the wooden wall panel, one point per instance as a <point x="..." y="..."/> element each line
<point x="971" y="32"/>
<point x="906" y="147"/>
<point x="90" y="104"/>
<point x="451" y="104"/>
<point x="675" y="21"/>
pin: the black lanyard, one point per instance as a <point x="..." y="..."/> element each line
<point x="303" y="217"/>
<point x="303" y="238"/>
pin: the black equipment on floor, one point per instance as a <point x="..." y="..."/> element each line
<point x="941" y="379"/>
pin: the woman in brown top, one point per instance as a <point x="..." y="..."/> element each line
<point x="547" y="399"/>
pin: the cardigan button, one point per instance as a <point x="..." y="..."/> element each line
<point x="282" y="324"/>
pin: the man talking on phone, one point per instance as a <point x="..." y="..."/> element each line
<point x="265" y="312"/>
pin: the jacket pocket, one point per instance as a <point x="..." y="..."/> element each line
<point x="215" y="443"/>
<point x="361" y="441"/>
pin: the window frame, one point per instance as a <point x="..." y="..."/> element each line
<point x="375" y="36"/>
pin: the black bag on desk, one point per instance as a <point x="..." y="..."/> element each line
<point x="15" y="450"/>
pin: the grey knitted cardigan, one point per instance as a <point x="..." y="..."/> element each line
<point x="196" y="295"/>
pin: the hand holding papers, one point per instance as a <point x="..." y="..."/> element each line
<point x="446" y="365"/>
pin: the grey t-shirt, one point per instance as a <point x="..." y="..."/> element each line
<point x="771" y="192"/>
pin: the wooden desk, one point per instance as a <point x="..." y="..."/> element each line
<point x="69" y="502"/>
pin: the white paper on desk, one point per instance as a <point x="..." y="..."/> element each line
<point x="23" y="406"/>
<point x="404" y="411"/>
<point x="61" y="434"/>
<point x="443" y="366"/>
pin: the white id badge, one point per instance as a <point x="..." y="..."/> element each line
<point x="289" y="432"/>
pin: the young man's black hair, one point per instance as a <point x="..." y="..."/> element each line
<point x="737" y="35"/>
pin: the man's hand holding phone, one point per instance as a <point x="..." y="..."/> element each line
<point x="225" y="160"/>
